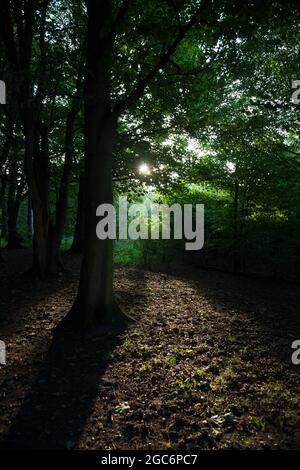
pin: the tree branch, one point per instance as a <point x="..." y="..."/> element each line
<point x="124" y="104"/>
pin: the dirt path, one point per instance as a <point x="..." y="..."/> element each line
<point x="206" y="365"/>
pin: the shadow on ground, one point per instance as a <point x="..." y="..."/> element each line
<point x="61" y="398"/>
<point x="66" y="375"/>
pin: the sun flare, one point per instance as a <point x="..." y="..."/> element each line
<point x="144" y="169"/>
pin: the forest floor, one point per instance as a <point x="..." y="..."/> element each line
<point x="206" y="365"/>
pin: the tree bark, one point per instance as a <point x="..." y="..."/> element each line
<point x="57" y="231"/>
<point x="3" y="207"/>
<point x="14" y="199"/>
<point x="13" y="237"/>
<point x="3" y="178"/>
<point x="94" y="302"/>
<point x="29" y="215"/>
<point x="236" y="235"/>
<point x="38" y="182"/>
<point x="78" y="240"/>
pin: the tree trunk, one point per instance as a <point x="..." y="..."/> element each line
<point x="57" y="231"/>
<point x="3" y="208"/>
<point x="29" y="215"/>
<point x="78" y="240"/>
<point x="13" y="237"/>
<point x="13" y="205"/>
<point x="236" y="234"/>
<point x="3" y="178"/>
<point x="94" y="302"/>
<point x="37" y="173"/>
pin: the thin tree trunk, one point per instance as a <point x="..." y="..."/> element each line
<point x="13" y="237"/>
<point x="29" y="216"/>
<point x="236" y="235"/>
<point x="37" y="172"/>
<point x="3" y="179"/>
<point x="57" y="230"/>
<point x="3" y="208"/>
<point x="14" y="199"/>
<point x="78" y="240"/>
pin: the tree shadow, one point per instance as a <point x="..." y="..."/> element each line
<point x="61" y="398"/>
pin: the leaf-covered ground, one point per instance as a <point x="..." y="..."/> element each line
<point x="206" y="365"/>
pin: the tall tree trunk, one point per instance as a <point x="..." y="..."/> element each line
<point x="94" y="302"/>
<point x="236" y="234"/>
<point x="78" y="240"/>
<point x="3" y="208"/>
<point x="57" y="231"/>
<point x="29" y="215"/>
<point x="14" y="199"/>
<point x="37" y="173"/>
<point x="13" y="237"/>
<point x="3" y="177"/>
